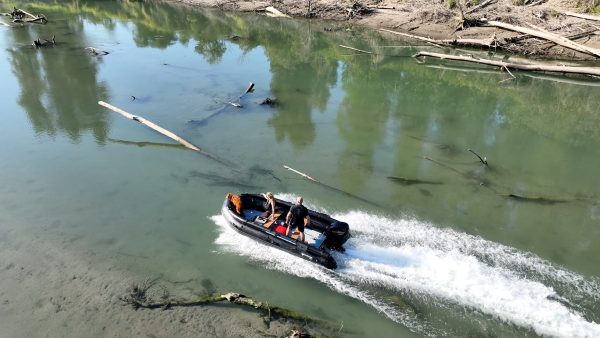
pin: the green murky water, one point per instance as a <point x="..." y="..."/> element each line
<point x="505" y="250"/>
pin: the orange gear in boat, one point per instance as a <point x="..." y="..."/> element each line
<point x="236" y="200"/>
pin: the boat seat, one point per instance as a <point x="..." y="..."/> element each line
<point x="275" y="217"/>
<point x="250" y="214"/>
<point x="312" y="237"/>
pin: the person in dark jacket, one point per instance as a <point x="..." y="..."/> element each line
<point x="297" y="218"/>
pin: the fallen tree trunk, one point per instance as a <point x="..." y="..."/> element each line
<point x="491" y="42"/>
<point x="543" y="68"/>
<point x="18" y="10"/>
<point x="163" y="131"/>
<point x="559" y="40"/>
<point x="19" y="15"/>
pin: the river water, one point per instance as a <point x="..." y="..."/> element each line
<point x="453" y="248"/>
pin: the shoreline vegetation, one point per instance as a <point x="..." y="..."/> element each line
<point x="74" y="294"/>
<point x="542" y="30"/>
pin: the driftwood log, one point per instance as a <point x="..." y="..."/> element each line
<point x="491" y="42"/>
<point x="163" y="131"/>
<point x="542" y="34"/>
<point x="138" y="297"/>
<point x="20" y="16"/>
<point x="273" y="12"/>
<point x="582" y="16"/>
<point x="506" y="65"/>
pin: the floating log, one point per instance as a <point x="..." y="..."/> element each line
<point x="530" y="67"/>
<point x="542" y="34"/>
<point x="163" y="131"/>
<point x="98" y="52"/>
<point x="411" y="181"/>
<point x="329" y="186"/>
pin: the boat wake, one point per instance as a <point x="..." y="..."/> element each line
<point x="399" y="266"/>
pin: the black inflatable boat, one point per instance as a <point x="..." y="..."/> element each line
<point x="322" y="235"/>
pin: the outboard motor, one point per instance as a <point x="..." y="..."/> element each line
<point x="337" y="234"/>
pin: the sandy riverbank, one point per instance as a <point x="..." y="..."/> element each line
<point x="49" y="290"/>
<point x="435" y="19"/>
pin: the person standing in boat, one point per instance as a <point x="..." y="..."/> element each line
<point x="297" y="218"/>
<point x="269" y="205"/>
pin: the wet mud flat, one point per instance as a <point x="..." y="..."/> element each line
<point x="65" y="293"/>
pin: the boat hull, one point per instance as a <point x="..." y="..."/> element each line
<point x="320" y="255"/>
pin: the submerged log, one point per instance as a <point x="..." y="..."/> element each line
<point x="269" y="101"/>
<point x="46" y="43"/>
<point x="330" y="187"/>
<point x="204" y="121"/>
<point x="163" y="131"/>
<point x="482" y="160"/>
<point x="530" y="67"/>
<point x="534" y="199"/>
<point x="411" y="181"/>
<point x="144" y="144"/>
